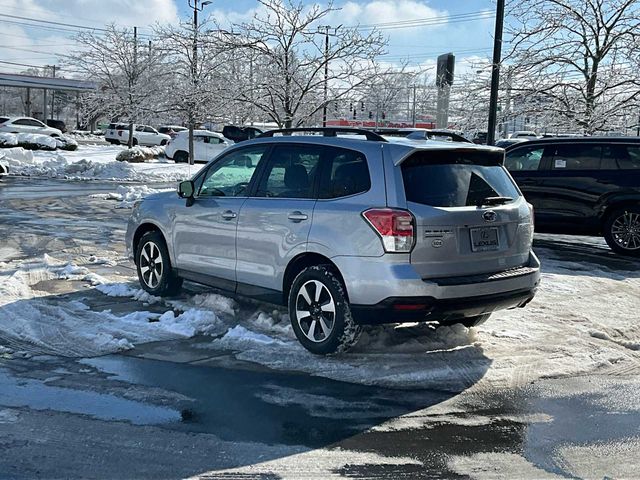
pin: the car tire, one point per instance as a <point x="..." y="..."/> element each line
<point x="135" y="142"/>
<point x="155" y="273"/>
<point x="181" y="157"/>
<point x="163" y="143"/>
<point x="320" y="312"/>
<point x="474" y="321"/>
<point x="622" y="231"/>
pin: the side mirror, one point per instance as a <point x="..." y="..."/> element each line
<point x="186" y="189"/>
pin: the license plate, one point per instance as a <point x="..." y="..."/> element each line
<point x="484" y="239"/>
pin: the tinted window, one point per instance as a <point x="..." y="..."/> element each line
<point x="623" y="157"/>
<point x="290" y="172"/>
<point x="576" y="157"/>
<point x="524" y="159"/>
<point x="345" y="173"/>
<point x="28" y="122"/>
<point x="140" y="128"/>
<point x="164" y="130"/>
<point x="230" y="176"/>
<point x="213" y="140"/>
<point x="455" y="179"/>
<point x="149" y="130"/>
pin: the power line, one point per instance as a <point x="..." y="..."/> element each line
<point x="428" y="21"/>
<point x="50" y="22"/>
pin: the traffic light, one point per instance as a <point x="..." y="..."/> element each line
<point x="370" y="114"/>
<point x="354" y="113"/>
<point x="384" y="115"/>
<point x="362" y="106"/>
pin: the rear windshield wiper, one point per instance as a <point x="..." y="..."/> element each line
<point x="489" y="201"/>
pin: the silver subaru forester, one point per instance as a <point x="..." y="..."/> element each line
<point x="347" y="229"/>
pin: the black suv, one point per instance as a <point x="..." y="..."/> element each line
<point x="588" y="186"/>
<point x="240" y="134"/>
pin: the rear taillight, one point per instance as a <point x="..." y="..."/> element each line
<point x="395" y="227"/>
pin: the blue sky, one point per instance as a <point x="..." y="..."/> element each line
<point x="468" y="39"/>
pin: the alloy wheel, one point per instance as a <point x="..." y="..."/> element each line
<point x="151" y="265"/>
<point x="315" y="311"/>
<point x="625" y="231"/>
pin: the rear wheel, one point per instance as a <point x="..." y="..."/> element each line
<point x="320" y="313"/>
<point x="155" y="273"/>
<point x="135" y="142"/>
<point x="181" y="157"/>
<point x="622" y="231"/>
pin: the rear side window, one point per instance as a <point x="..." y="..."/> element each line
<point x="576" y="157"/>
<point x="455" y="179"/>
<point x="621" y="157"/>
<point x="290" y="171"/>
<point x="524" y="159"/>
<point x="345" y="173"/>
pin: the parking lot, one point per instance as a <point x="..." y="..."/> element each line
<point x="100" y="381"/>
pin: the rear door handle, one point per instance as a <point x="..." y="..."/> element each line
<point x="297" y="216"/>
<point x="229" y="215"/>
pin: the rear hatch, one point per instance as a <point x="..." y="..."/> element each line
<point x="470" y="216"/>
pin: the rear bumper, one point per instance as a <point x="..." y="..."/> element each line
<point x="422" y="309"/>
<point x="382" y="292"/>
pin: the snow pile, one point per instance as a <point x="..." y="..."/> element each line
<point x="139" y="154"/>
<point x="8" y="140"/>
<point x="127" y="195"/>
<point x="95" y="162"/>
<point x="71" y="328"/>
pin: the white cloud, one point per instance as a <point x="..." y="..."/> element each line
<point x="385" y="11"/>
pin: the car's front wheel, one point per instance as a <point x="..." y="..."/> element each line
<point x="320" y="313"/>
<point x="622" y="231"/>
<point x="155" y="273"/>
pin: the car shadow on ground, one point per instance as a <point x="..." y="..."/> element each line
<point x="237" y="403"/>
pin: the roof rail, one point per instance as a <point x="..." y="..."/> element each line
<point x="326" y="132"/>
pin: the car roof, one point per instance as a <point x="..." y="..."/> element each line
<point x="208" y="133"/>
<point x="400" y="147"/>
<point x="555" y="140"/>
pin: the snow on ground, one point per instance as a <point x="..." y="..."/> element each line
<point x="128" y="194"/>
<point x="90" y="162"/>
<point x="71" y="327"/>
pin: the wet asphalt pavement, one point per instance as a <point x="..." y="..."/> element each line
<point x="174" y="410"/>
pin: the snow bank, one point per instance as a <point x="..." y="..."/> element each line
<point x="94" y="162"/>
<point x="71" y="328"/>
<point x="139" y="154"/>
<point x="127" y="195"/>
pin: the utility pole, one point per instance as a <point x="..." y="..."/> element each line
<point x="413" y="110"/>
<point x="131" y="85"/>
<point x="53" y="93"/>
<point x="194" y="72"/>
<point x="326" y="29"/>
<point x="495" y="74"/>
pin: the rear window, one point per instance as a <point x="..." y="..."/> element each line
<point x="3" y="119"/>
<point x="455" y="178"/>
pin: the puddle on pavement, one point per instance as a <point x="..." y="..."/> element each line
<point x="34" y="394"/>
<point x="268" y="407"/>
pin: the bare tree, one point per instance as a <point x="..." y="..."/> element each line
<point x="577" y="55"/>
<point x="287" y="40"/>
<point x="123" y="71"/>
<point x="195" y="56"/>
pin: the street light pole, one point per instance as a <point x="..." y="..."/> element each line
<point x="194" y="72"/>
<point x="495" y="74"/>
<point x="326" y="69"/>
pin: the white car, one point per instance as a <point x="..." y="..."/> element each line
<point x="206" y="145"/>
<point x="118" y="133"/>
<point x="27" y="125"/>
<point x="524" y="134"/>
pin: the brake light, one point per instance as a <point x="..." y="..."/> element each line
<point x="395" y="227"/>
